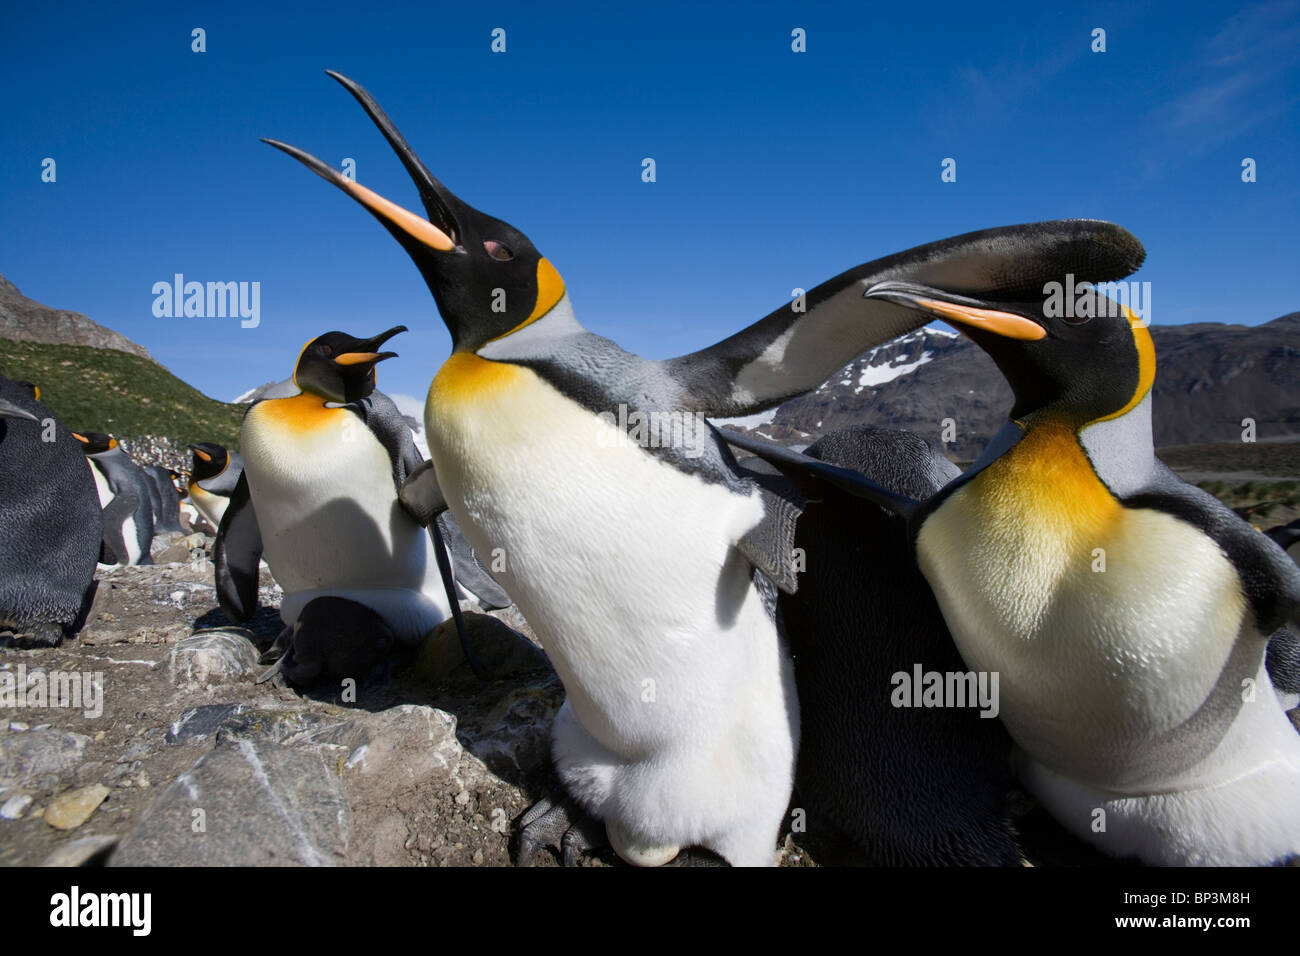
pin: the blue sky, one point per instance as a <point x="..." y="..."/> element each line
<point x="775" y="169"/>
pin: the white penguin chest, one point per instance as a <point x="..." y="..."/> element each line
<point x="1109" y="626"/>
<point x="327" y="509"/>
<point x="101" y="485"/>
<point x="624" y="565"/>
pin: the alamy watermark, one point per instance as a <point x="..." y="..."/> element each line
<point x="212" y="300"/>
<point x="922" y="688"/>
<point x="74" y="908"/>
<point x="41" y="689"/>
<point x="1091" y="300"/>
<point x="657" y="429"/>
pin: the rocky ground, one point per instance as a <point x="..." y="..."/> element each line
<point x="184" y="757"/>
<point x="192" y="761"/>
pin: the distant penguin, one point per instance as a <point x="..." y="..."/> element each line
<point x="1128" y="612"/>
<point x="318" y="494"/>
<point x="125" y="493"/>
<point x="1287" y="537"/>
<point x="909" y="784"/>
<point x="167" y="516"/>
<point x="50" y="521"/>
<point x="680" y="722"/>
<point x="1284" y="647"/>
<point x="213" y="476"/>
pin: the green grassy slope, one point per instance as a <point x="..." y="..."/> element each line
<point x="109" y="391"/>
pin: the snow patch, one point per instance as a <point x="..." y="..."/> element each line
<point x="748" y="421"/>
<point x="874" y="375"/>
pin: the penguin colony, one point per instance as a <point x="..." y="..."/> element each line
<point x="727" y="629"/>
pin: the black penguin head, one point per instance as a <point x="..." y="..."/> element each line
<point x="486" y="276"/>
<point x="95" y="443"/>
<point x="1077" y="368"/>
<point x="340" y="367"/>
<point x="210" y="460"/>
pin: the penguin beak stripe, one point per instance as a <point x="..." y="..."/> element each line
<point x="361" y="358"/>
<point x="1007" y="324"/>
<point x="81" y="438"/>
<point x="202" y="454"/>
<point x="417" y="227"/>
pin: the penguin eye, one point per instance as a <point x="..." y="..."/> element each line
<point x="1076" y="319"/>
<point x="326" y="351"/>
<point x="497" y="251"/>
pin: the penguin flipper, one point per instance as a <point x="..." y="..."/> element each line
<point x="802" y="468"/>
<point x="769" y="545"/>
<point x="1283" y="660"/>
<point x="800" y="345"/>
<point x="238" y="554"/>
<point x="385" y="421"/>
<point x="469" y="571"/>
<point x="421" y="496"/>
<point x="1269" y="578"/>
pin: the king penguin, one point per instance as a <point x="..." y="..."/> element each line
<point x="1128" y="613"/>
<point x="125" y="494"/>
<point x="214" y="473"/>
<point x="680" y="722"/>
<point x="318" y="493"/>
<point x="50" y="522"/>
<point x="908" y="785"/>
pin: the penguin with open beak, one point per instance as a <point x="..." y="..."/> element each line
<point x="629" y="538"/>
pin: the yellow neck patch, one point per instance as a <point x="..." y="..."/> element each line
<point x="1046" y="479"/>
<point x="300" y="412"/>
<point x="467" y="377"/>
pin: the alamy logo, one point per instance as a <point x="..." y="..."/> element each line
<point x="41" y="689"/>
<point x="655" y="429"/>
<point x="923" y="688"/>
<point x="213" y="300"/>
<point x="103" y="909"/>
<point x="1090" y="300"/>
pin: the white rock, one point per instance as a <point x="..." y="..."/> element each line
<point x="15" y="806"/>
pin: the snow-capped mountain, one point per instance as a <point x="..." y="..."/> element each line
<point x="1210" y="376"/>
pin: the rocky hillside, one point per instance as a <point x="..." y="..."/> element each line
<point x="26" y="320"/>
<point x="97" y="380"/>
<point x="1209" y="377"/>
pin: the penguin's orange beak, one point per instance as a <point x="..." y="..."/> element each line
<point x="385" y="210"/>
<point x="362" y="358"/>
<point x="959" y="310"/>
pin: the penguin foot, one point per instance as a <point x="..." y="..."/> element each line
<point x="278" y="647"/>
<point x="33" y="635"/>
<point x="633" y="851"/>
<point x="333" y="638"/>
<point x="557" y="825"/>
